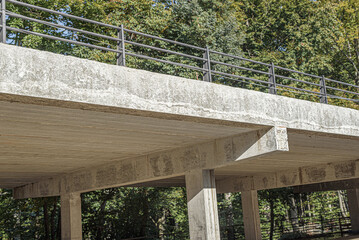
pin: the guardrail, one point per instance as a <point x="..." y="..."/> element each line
<point x="312" y="227"/>
<point x="208" y="63"/>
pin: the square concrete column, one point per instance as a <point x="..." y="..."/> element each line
<point x="252" y="228"/>
<point x="353" y="202"/>
<point x="202" y="205"/>
<point x="71" y="224"/>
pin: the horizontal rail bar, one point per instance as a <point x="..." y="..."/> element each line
<point x="242" y="81"/>
<point x="349" y="99"/>
<point x="294" y="71"/>
<point x="61" y="39"/>
<point x="237" y="76"/>
<point x="62" y="14"/>
<point x="342" y="90"/>
<point x="298" y="92"/>
<point x="166" y="61"/>
<point x="297" y="80"/>
<point x="240" y="58"/>
<point x="299" y="89"/>
<point x="344" y="83"/>
<point x="61" y="26"/>
<point x="164" y="39"/>
<point x="242" y="68"/>
<point x="165" y="50"/>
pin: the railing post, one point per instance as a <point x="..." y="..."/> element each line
<point x="340" y="225"/>
<point x="121" y="56"/>
<point x="3" y="22"/>
<point x="271" y="80"/>
<point x="323" y="91"/>
<point x="207" y="76"/>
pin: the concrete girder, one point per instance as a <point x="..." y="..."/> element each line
<point x="209" y="155"/>
<point x="292" y="177"/>
<point x="328" y="186"/>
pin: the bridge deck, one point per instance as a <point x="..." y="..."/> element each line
<point x="61" y="115"/>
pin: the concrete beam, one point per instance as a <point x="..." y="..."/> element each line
<point x="202" y="205"/>
<point x="251" y="219"/>
<point x="353" y="202"/>
<point x="71" y="224"/>
<point x="209" y="155"/>
<point x="292" y="177"/>
<point x="328" y="186"/>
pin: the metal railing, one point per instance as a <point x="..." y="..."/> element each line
<point x="314" y="226"/>
<point x="213" y="66"/>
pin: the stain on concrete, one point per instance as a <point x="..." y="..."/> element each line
<point x="80" y="181"/>
<point x="44" y="189"/>
<point x="265" y="182"/>
<point x="127" y="172"/>
<point x="167" y="160"/>
<point x="288" y="180"/>
<point x="154" y="163"/>
<point x="345" y="170"/>
<point x="191" y="159"/>
<point x="229" y="149"/>
<point x="107" y="175"/>
<point x="315" y="174"/>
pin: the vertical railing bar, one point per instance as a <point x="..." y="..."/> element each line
<point x="272" y="80"/>
<point x="3" y="22"/>
<point x="207" y="75"/>
<point x="121" y="57"/>
<point x="323" y="91"/>
<point x="123" y="45"/>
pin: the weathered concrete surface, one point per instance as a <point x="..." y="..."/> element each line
<point x="202" y="205"/>
<point x="63" y="119"/>
<point x="47" y="75"/>
<point x="292" y="177"/>
<point x="71" y="224"/>
<point x="161" y="165"/>
<point x="328" y="186"/>
<point x="70" y="125"/>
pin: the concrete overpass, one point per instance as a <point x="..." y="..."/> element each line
<point x="70" y="125"/>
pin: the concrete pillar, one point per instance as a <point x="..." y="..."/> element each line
<point x="71" y="225"/>
<point x="202" y="205"/>
<point x="353" y="202"/>
<point x="252" y="228"/>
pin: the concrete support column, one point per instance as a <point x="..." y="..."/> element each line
<point x="353" y="202"/>
<point x="202" y="205"/>
<point x="71" y="225"/>
<point x="252" y="228"/>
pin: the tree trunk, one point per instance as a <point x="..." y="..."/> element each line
<point x="52" y="219"/>
<point x="293" y="214"/>
<point x="145" y="213"/>
<point x="46" y="219"/>
<point x="271" y="233"/>
<point x="161" y="225"/>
